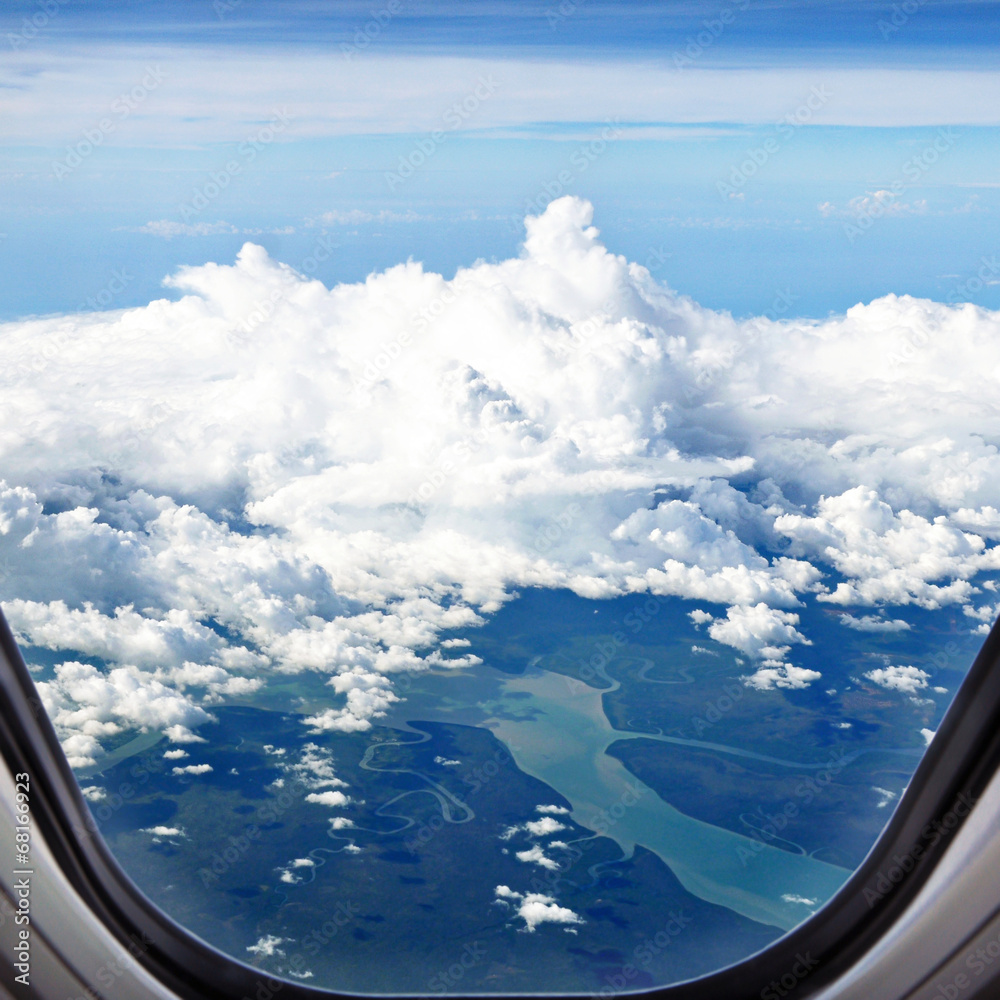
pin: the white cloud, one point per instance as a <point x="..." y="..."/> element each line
<point x="267" y="946"/>
<point x="535" y="908"/>
<point x="908" y="679"/>
<point x="94" y="793"/>
<point x="396" y="483"/>
<point x="888" y="557"/>
<point x="328" y="798"/>
<point x="538" y="827"/>
<point x="872" y="623"/>
<point x="790" y="897"/>
<point x="229" y="86"/>
<point x="169" y="228"/>
<point x="175" y="754"/>
<point x="884" y="796"/>
<point x="165" y="831"/>
<point x="193" y="769"/>
<point x="544" y="826"/>
<point x="314" y="768"/>
<point x="535" y="855"/>
<point x="553" y="810"/>
<point x="181" y="734"/>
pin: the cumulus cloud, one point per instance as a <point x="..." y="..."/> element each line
<point x="536" y="856"/>
<point x="328" y="798"/>
<point x="165" y="831"/>
<point x="193" y="769"/>
<point x="175" y="754"/>
<point x="553" y="810"/>
<point x="538" y="827"/>
<point x="872" y="623"/>
<point x="267" y="946"/>
<point x="535" y="908"/>
<point x="313" y="769"/>
<point x="376" y="477"/>
<point x="908" y="679"/>
<point x="289" y="872"/>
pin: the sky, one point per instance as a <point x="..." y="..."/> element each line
<point x="735" y="144"/>
<point x="315" y="320"/>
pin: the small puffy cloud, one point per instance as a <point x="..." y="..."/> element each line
<point x="535" y="855"/>
<point x="165" y="831"/>
<point x="94" y="793"/>
<point x="341" y="823"/>
<point x="553" y="810"/>
<point x="314" y="769"/>
<point x="775" y="674"/>
<point x="175" y="754"/>
<point x="535" y="908"/>
<point x="928" y="735"/>
<point x="445" y="762"/>
<point x="328" y="798"/>
<point x="267" y="946"/>
<point x="538" y="827"/>
<point x="193" y="769"/>
<point x="544" y="826"/>
<point x="289" y="874"/>
<point x="181" y="734"/>
<point x="908" y="679"/>
<point x="871" y="623"/>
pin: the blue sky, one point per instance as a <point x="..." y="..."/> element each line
<point x="746" y="151"/>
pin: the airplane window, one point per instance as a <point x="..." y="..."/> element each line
<point x="499" y="499"/>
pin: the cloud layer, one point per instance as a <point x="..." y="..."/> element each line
<point x="270" y="476"/>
